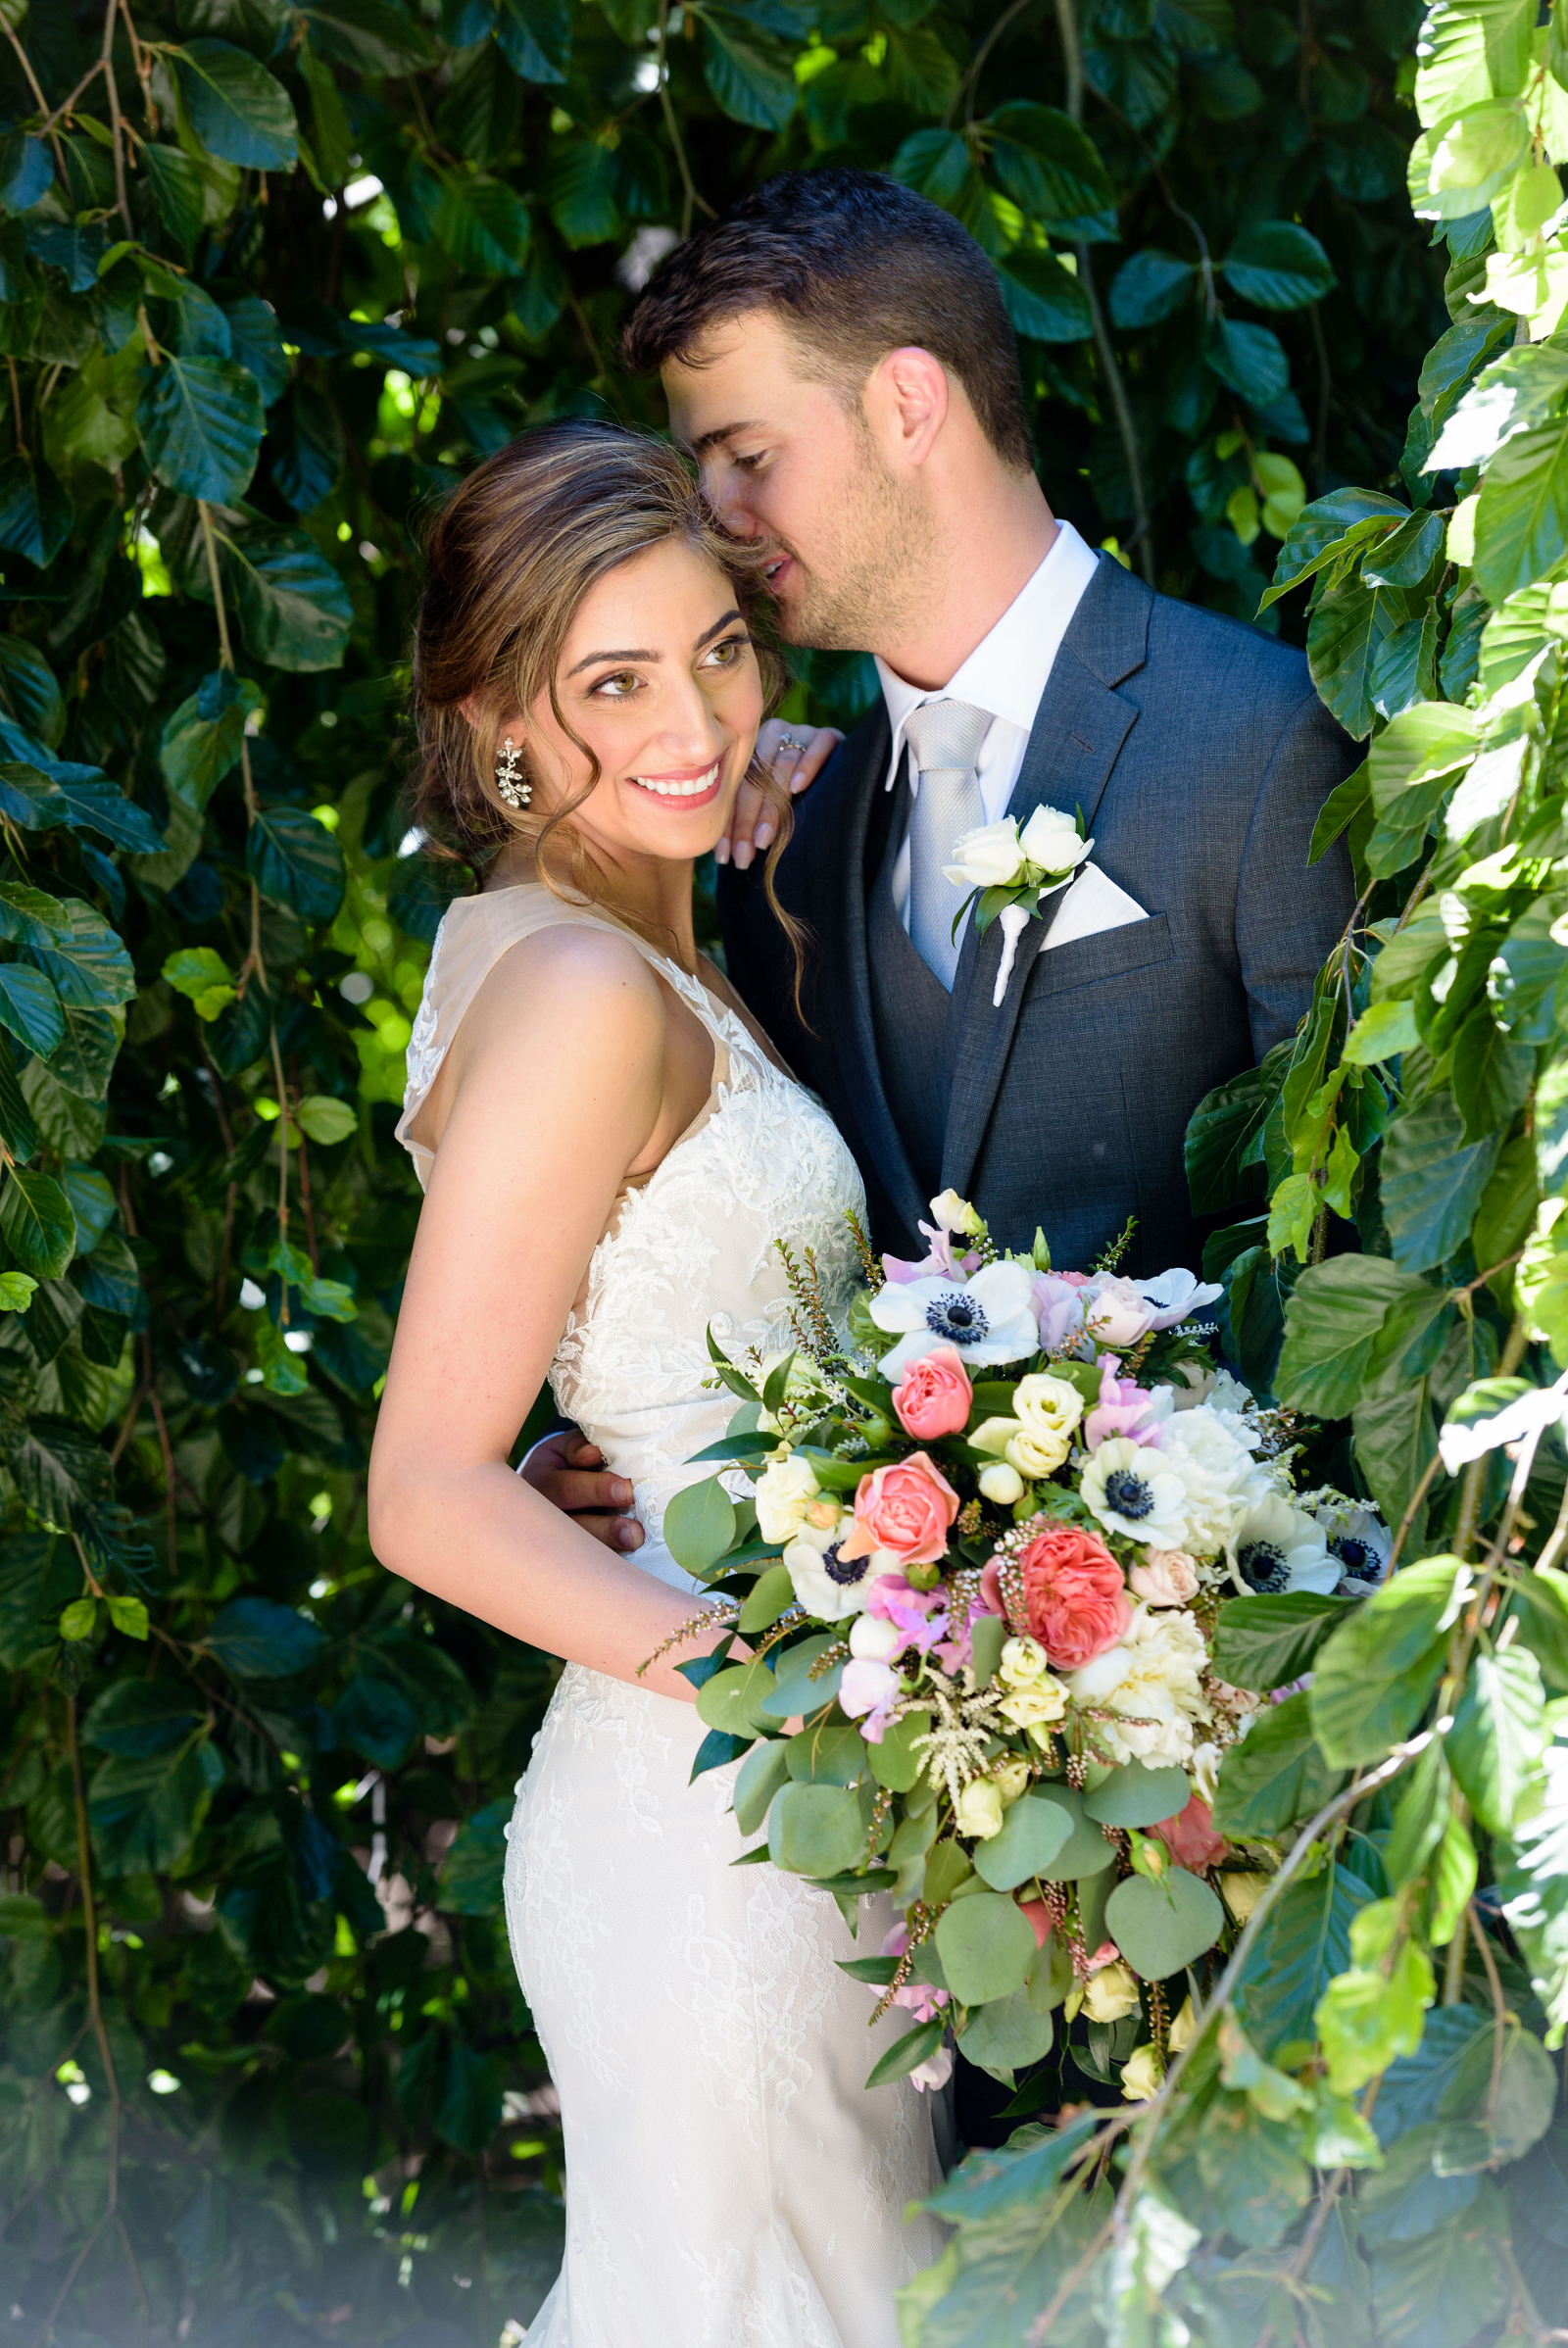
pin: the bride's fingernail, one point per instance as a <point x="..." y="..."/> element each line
<point x="765" y="833"/>
<point x="743" y="855"/>
<point x="797" y="782"/>
<point x="722" y="853"/>
<point x="630" y="1536"/>
<point x="620" y="1492"/>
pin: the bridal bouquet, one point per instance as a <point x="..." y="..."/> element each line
<point x="977" y="1544"/>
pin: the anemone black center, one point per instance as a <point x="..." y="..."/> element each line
<point x="1263" y="1568"/>
<point x="1361" y="1563"/>
<point x="1129" y="1494"/>
<point x="844" y="1571"/>
<point x="957" y="1316"/>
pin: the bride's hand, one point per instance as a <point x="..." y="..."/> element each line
<point x="795" y="757"/>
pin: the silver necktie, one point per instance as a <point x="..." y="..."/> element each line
<point x="944" y="739"/>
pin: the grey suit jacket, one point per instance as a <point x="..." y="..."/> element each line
<point x="1201" y="755"/>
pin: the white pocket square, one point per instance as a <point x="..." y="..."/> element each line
<point x="1093" y="903"/>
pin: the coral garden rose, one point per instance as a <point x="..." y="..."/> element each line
<point x="934" y="1396"/>
<point x="1190" y="1837"/>
<point x="905" y="1508"/>
<point x="1075" y="1594"/>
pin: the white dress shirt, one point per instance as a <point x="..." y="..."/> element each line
<point x="1006" y="674"/>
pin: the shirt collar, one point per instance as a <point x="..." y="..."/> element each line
<point x="1007" y="672"/>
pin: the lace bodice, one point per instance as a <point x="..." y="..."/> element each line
<point x="693" y="1247"/>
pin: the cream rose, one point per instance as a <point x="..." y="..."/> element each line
<point x="980" y="1809"/>
<point x="990" y="857"/>
<point x="1141" y="2074"/>
<point x="784" y="1493"/>
<point x="1001" y="1484"/>
<point x="1023" y="1660"/>
<point x="1112" y="1992"/>
<point x="1010" y="1779"/>
<point x="1031" y="1456"/>
<point x="1242" y="1893"/>
<point x="1037" y="1706"/>
<point x="1050" y="838"/>
<point x="1048" y="1407"/>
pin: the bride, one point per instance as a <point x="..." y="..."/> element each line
<point x="609" y="1149"/>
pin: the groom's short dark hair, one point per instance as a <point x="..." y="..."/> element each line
<point x="854" y="266"/>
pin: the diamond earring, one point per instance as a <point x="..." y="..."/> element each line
<point x="515" y="794"/>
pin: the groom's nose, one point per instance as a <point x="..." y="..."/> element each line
<point x="725" y="487"/>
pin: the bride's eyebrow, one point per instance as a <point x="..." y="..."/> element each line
<point x="591" y="659"/>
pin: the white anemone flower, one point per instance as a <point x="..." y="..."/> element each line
<point x="988" y="1318"/>
<point x="1356" y="1536"/>
<point x="830" y="1587"/>
<point x="1175" y="1295"/>
<point x="1277" y="1547"/>
<point x="1132" y="1489"/>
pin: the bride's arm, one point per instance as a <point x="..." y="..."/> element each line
<point x="555" y="1090"/>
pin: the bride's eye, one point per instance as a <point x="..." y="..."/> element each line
<point x="619" y="687"/>
<point x="727" y="653"/>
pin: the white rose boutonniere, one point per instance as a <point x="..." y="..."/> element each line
<point x="1011" y="870"/>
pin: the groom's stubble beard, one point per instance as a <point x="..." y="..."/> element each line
<point x="870" y="581"/>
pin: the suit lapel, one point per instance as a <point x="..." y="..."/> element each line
<point x="856" y="1032"/>
<point x="1078" y="733"/>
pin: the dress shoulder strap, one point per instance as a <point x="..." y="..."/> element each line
<point x="474" y="933"/>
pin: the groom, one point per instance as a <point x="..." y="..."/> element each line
<point x="837" y="358"/>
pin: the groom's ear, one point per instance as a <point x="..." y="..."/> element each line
<point x="906" y="400"/>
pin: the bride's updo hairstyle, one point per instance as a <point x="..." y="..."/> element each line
<point x="508" y="562"/>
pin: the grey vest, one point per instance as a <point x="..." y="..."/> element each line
<point x="909" y="1015"/>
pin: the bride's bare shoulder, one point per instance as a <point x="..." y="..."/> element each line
<point x="582" y="985"/>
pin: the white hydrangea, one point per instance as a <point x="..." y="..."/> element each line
<point x="1150" y="1684"/>
<point x="1208" y="1450"/>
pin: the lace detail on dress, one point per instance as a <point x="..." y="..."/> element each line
<point x="695" y="1246"/>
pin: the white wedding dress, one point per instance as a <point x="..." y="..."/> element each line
<point x="730" y="2181"/>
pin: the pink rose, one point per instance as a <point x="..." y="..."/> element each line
<point x="907" y="1508"/>
<point x="1115" y="1312"/>
<point x="1075" y="1594"/>
<point x="934" y="1396"/>
<point x="1190" y="1837"/>
<point x="1166" y="1578"/>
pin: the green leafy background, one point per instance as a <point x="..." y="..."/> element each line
<point x="272" y="277"/>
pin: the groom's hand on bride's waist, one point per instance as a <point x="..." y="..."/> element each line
<point x="570" y="1472"/>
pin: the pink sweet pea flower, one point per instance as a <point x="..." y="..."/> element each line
<point x="1123" y="1408"/>
<point x="920" y="1997"/>
<point x="938" y="1263"/>
<point x="1058" y="1308"/>
<point x="868" y="1693"/>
